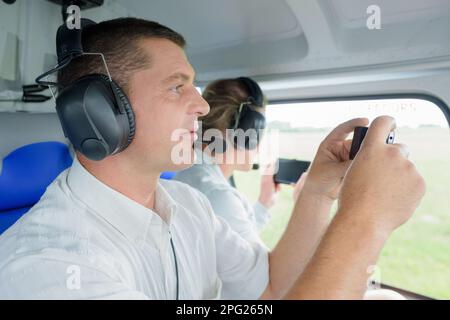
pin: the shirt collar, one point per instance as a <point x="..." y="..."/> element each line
<point x="126" y="215"/>
<point x="203" y="158"/>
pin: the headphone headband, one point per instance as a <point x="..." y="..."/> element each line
<point x="68" y="41"/>
<point x="256" y="96"/>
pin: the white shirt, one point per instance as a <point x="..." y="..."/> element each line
<point x="84" y="240"/>
<point x="245" y="218"/>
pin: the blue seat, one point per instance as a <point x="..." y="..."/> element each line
<point x="167" y="175"/>
<point x="26" y="173"/>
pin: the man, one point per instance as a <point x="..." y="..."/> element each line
<point x="112" y="229"/>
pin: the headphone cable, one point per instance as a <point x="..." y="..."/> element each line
<point x="176" y="268"/>
<point x="49" y="72"/>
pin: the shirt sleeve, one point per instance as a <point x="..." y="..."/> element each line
<point x="242" y="266"/>
<point x="262" y="216"/>
<point x="67" y="277"/>
<point x="231" y="209"/>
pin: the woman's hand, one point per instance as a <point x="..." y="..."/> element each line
<point x="269" y="188"/>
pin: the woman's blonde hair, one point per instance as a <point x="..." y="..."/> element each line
<point x="224" y="97"/>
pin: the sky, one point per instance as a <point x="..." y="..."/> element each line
<point x="407" y="112"/>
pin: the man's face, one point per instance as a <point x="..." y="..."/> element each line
<point x="166" y="106"/>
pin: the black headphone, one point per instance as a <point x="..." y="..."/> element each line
<point x="247" y="117"/>
<point x="95" y="113"/>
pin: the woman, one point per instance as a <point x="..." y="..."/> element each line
<point x="237" y="105"/>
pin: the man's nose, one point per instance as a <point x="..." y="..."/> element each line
<point x="201" y="107"/>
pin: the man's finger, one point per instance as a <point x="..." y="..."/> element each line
<point x="403" y="149"/>
<point x="379" y="130"/>
<point x="346" y="150"/>
<point x="344" y="129"/>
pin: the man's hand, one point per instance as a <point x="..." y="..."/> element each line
<point x="382" y="183"/>
<point x="332" y="160"/>
<point x="380" y="191"/>
<point x="298" y="186"/>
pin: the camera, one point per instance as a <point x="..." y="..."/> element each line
<point x="358" y="137"/>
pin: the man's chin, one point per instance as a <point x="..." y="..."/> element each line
<point x="183" y="166"/>
<point x="182" y="156"/>
<point x="178" y="164"/>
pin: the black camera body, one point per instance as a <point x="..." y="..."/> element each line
<point x="358" y="136"/>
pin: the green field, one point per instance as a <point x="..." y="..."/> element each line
<point x="417" y="256"/>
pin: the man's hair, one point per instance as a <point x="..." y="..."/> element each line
<point x="119" y="41"/>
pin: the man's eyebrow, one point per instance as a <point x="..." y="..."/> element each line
<point x="177" y="76"/>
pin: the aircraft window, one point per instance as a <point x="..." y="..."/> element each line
<point x="417" y="256"/>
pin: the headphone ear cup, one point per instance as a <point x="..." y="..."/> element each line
<point x="96" y="116"/>
<point x="125" y="103"/>
<point x="249" y="120"/>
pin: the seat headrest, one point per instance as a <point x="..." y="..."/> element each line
<point x="28" y="170"/>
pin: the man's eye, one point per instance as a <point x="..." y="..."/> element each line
<point x="176" y="88"/>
